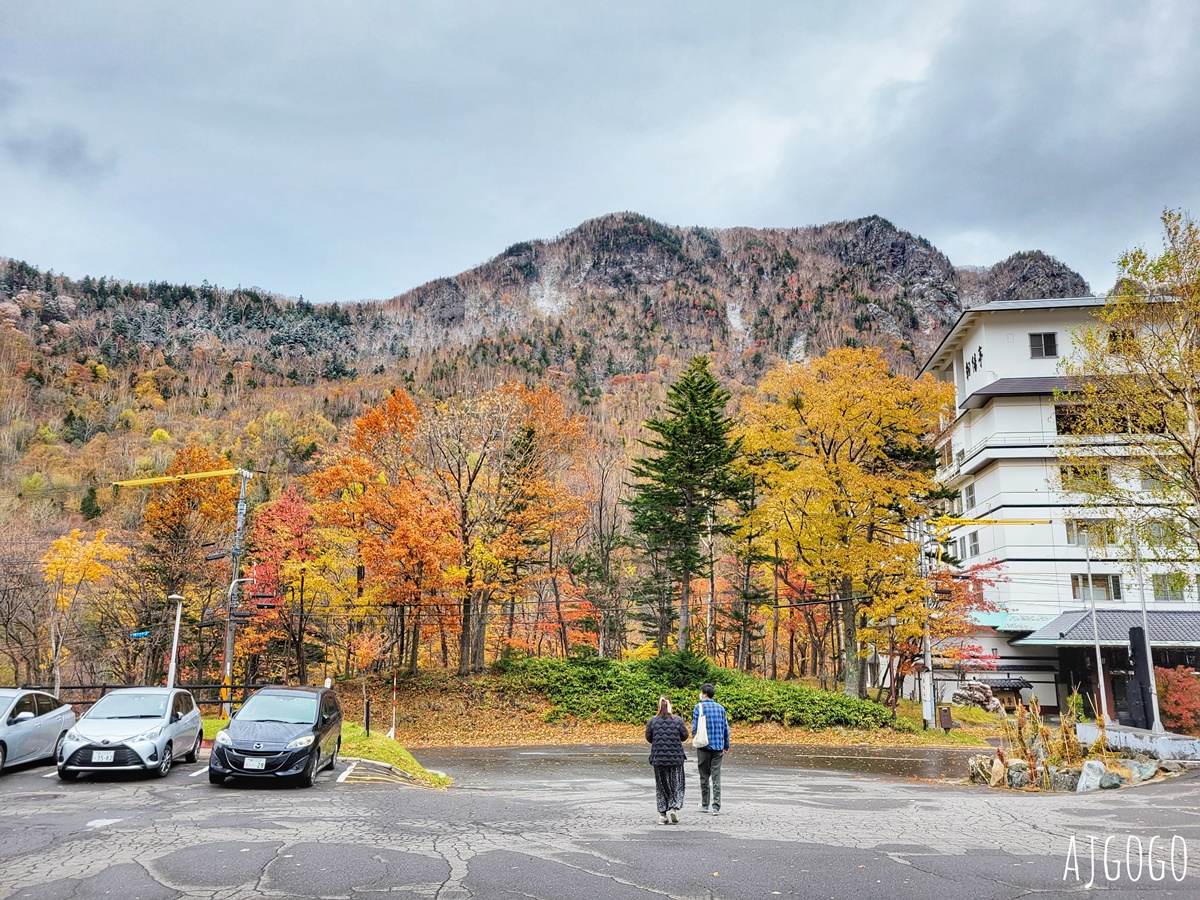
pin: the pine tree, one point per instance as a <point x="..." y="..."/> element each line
<point x="690" y="473"/>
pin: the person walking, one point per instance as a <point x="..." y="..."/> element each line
<point x="711" y="729"/>
<point x="666" y="733"/>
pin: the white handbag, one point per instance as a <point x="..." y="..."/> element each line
<point x="700" y="738"/>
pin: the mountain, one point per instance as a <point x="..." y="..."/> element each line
<point x="633" y="289"/>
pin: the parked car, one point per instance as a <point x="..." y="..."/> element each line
<point x="280" y="732"/>
<point x="131" y="729"/>
<point x="32" y="724"/>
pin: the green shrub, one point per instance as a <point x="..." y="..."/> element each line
<point x="607" y="691"/>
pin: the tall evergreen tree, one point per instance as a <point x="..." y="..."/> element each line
<point x="688" y="475"/>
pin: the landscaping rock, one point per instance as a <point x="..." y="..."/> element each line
<point x="1172" y="766"/>
<point x="1143" y="771"/>
<point x="1110" y="780"/>
<point x="980" y="768"/>
<point x="1089" y="777"/>
<point x="1064" y="780"/>
<point x="1018" y="774"/>
<point x="997" y="776"/>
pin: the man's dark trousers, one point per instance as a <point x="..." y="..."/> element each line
<point x="709" y="764"/>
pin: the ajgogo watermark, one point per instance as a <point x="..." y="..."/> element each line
<point x="1111" y="859"/>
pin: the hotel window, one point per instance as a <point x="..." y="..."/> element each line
<point x="1043" y="345"/>
<point x="968" y="496"/>
<point x="1098" y="532"/>
<point x="973" y="543"/>
<point x="1150" y="478"/>
<point x="1121" y="342"/>
<point x="1168" y="588"/>
<point x="1104" y="587"/>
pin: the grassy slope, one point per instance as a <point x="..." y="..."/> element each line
<point x="437" y="709"/>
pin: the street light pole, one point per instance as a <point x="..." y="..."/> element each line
<point x="1087" y="555"/>
<point x="892" y="623"/>
<point x="231" y="601"/>
<point x="1156" y="724"/>
<point x="175" y="640"/>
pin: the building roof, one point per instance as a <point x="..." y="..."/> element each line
<point x="1021" y="387"/>
<point x="969" y="316"/>
<point x="1168" y="628"/>
<point x="1005" y="684"/>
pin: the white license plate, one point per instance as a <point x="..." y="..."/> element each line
<point x="255" y="762"/>
<point x="102" y="756"/>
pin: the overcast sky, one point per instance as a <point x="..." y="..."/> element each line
<point x="357" y="149"/>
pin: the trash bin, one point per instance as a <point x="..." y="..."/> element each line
<point x="945" y="719"/>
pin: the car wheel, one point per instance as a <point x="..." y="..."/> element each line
<point x="66" y="775"/>
<point x="194" y="754"/>
<point x="165" y="766"/>
<point x="3" y="757"/>
<point x="310" y="771"/>
<point x="58" y="747"/>
<point x="333" y="759"/>
<point x="215" y="777"/>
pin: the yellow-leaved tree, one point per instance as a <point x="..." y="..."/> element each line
<point x="73" y="564"/>
<point x="842" y="449"/>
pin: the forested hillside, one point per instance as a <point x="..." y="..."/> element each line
<point x="574" y="339"/>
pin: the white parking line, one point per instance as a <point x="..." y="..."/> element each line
<point x="50" y="774"/>
<point x="199" y="771"/>
<point x="349" y="769"/>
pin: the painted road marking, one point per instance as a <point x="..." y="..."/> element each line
<point x="50" y="774"/>
<point x="350" y="768"/>
<point x="100" y="823"/>
<point x="199" y="771"/>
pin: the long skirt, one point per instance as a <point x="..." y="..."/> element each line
<point x="668" y="787"/>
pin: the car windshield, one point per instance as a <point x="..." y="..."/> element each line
<point x="295" y="709"/>
<point x="129" y="706"/>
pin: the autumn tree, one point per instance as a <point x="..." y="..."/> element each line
<point x="375" y="490"/>
<point x="841" y="446"/>
<point x="1137" y="376"/>
<point x="680" y="486"/>
<point x="493" y="459"/>
<point x="73" y="564"/>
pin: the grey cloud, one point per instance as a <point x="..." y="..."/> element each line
<point x="60" y="152"/>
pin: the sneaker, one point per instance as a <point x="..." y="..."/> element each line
<point x="715" y="811"/>
<point x="662" y="820"/>
<point x="674" y="819"/>
<point x="702" y="808"/>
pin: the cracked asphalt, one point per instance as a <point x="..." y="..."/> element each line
<point x="580" y="823"/>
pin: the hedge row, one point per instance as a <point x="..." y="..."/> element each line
<point x="605" y="691"/>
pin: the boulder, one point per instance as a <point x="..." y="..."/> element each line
<point x="1173" y="766"/>
<point x="1089" y="777"/>
<point x="997" y="776"/>
<point x="1143" y="771"/>
<point x="979" y="767"/>
<point x="1110" y="780"/>
<point x="1064" y="779"/>
<point x="1018" y="774"/>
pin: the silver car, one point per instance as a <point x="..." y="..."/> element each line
<point x="31" y="725"/>
<point x="133" y="729"/>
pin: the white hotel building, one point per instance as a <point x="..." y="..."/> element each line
<point x="1003" y="359"/>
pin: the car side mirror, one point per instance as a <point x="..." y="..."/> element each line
<point x="22" y="717"/>
<point x="175" y="717"/>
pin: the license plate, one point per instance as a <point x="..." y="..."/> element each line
<point x="102" y="756"/>
<point x="253" y="762"/>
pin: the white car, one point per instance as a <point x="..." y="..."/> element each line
<point x="133" y="729"/>
<point x="32" y="724"/>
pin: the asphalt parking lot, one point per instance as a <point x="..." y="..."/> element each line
<point x="572" y="822"/>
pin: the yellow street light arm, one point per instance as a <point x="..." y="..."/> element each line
<point x="171" y="479"/>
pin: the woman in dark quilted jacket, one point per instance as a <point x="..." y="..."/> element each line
<point x="666" y="733"/>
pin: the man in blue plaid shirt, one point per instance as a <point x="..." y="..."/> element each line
<point x="708" y="759"/>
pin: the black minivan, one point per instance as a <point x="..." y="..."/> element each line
<point x="280" y="732"/>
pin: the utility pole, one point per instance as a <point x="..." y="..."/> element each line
<point x="1102" y="713"/>
<point x="175" y="640"/>
<point x="239" y="535"/>
<point x="1156" y="723"/>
